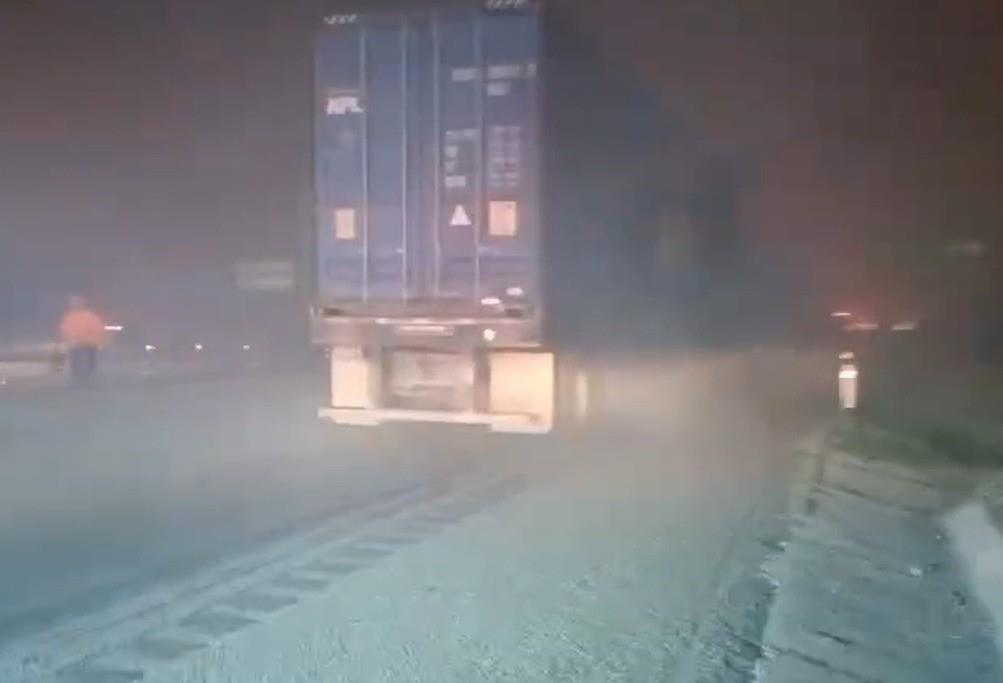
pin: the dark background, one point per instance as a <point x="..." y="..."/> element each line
<point x="143" y="144"/>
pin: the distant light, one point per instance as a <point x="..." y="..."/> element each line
<point x="198" y="347"/>
<point x="246" y="347"/>
<point x="846" y="355"/>
<point x="967" y="249"/>
<point x="905" y="326"/>
<point x="841" y="314"/>
<point x="383" y="321"/>
<point x="490" y="335"/>
<point x="113" y="328"/>
<point x="861" y="327"/>
<point x="515" y="291"/>
<point x="490" y="301"/>
<point x="150" y="348"/>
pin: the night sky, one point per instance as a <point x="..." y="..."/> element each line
<point x="164" y="135"/>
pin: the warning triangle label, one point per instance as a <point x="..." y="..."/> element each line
<point x="460" y="217"/>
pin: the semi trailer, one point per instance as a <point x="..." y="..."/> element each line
<point x="477" y="176"/>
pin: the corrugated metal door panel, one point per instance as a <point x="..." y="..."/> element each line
<point x="423" y="254"/>
<point x="386" y="83"/>
<point x="340" y="164"/>
<point x="510" y="230"/>
<point x="427" y="174"/>
<point x="460" y="155"/>
<point x="417" y="152"/>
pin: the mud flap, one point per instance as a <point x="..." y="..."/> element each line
<point x="353" y="378"/>
<point x="522" y="382"/>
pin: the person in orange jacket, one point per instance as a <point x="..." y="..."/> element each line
<point x="83" y="333"/>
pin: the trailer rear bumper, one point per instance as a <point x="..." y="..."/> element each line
<point x="368" y="417"/>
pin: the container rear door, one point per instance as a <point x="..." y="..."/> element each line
<point x="340" y="160"/>
<point x="426" y="163"/>
<point x="509" y="218"/>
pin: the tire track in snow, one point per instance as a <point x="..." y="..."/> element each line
<point x="170" y="622"/>
<point x="725" y="639"/>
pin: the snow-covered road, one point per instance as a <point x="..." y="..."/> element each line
<point x="216" y="531"/>
<point x="103" y="489"/>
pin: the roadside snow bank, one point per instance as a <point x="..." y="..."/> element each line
<point x="980" y="545"/>
<point x="868" y="588"/>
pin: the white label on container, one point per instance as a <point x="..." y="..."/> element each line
<point x="505" y="4"/>
<point x="505" y="71"/>
<point x="339" y="105"/>
<point x="504" y="156"/>
<point x="344" y="224"/>
<point x="465" y="75"/>
<point x="461" y="135"/>
<point x="456" y="182"/>
<point x="498" y="89"/>
<point x="340" y="19"/>
<point x="503" y="218"/>
<point x="461" y="218"/>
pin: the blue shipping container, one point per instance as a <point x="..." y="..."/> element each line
<point x="427" y="163"/>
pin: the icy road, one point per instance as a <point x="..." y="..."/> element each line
<point x="216" y="531"/>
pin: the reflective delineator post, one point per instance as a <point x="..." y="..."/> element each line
<point x="848" y="386"/>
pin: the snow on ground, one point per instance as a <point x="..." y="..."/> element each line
<point x="600" y="573"/>
<point x="607" y="566"/>
<point x="868" y="588"/>
<point x="979" y="543"/>
<point x="635" y="553"/>
<point x="113" y="486"/>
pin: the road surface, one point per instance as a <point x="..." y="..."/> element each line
<point x="216" y="530"/>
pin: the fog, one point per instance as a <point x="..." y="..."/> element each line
<point x="634" y="258"/>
